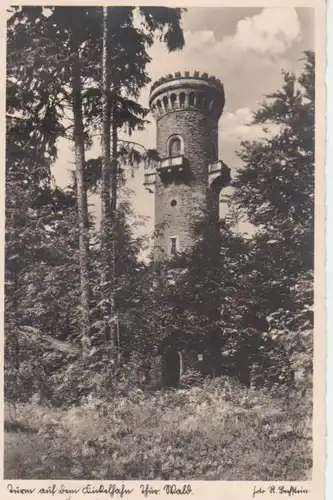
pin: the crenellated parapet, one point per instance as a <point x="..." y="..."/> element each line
<point x="196" y="75"/>
<point x="200" y="92"/>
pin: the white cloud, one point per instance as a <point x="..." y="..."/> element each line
<point x="235" y="127"/>
<point x="272" y="31"/>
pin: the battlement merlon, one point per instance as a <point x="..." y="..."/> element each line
<point x="179" y="91"/>
<point x="212" y="80"/>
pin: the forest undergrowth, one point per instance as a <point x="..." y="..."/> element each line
<point x="216" y="430"/>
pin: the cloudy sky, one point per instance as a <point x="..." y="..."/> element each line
<point x="244" y="47"/>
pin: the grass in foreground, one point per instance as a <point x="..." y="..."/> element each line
<point x="213" y="432"/>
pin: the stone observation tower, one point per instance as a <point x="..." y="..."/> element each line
<point x="188" y="177"/>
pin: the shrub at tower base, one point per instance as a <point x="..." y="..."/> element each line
<point x="202" y="306"/>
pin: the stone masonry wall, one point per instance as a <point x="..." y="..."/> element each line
<point x="200" y="134"/>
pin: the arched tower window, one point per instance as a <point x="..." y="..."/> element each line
<point x="173" y="100"/>
<point x="159" y="106"/>
<point x="166" y="103"/>
<point x="175" y="146"/>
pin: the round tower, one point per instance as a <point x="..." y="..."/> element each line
<point x="188" y="176"/>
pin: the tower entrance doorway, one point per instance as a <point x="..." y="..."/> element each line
<point x="172" y="367"/>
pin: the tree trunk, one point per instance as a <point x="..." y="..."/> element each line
<point x="108" y="192"/>
<point x="105" y="229"/>
<point x="82" y="204"/>
<point x="114" y="194"/>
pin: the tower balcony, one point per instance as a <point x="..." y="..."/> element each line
<point x="168" y="169"/>
<point x="172" y="162"/>
<point x="173" y="168"/>
<point x="218" y="175"/>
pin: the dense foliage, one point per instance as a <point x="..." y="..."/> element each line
<point x="274" y="189"/>
<point x="54" y="259"/>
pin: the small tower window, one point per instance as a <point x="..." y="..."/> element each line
<point x="173" y="250"/>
